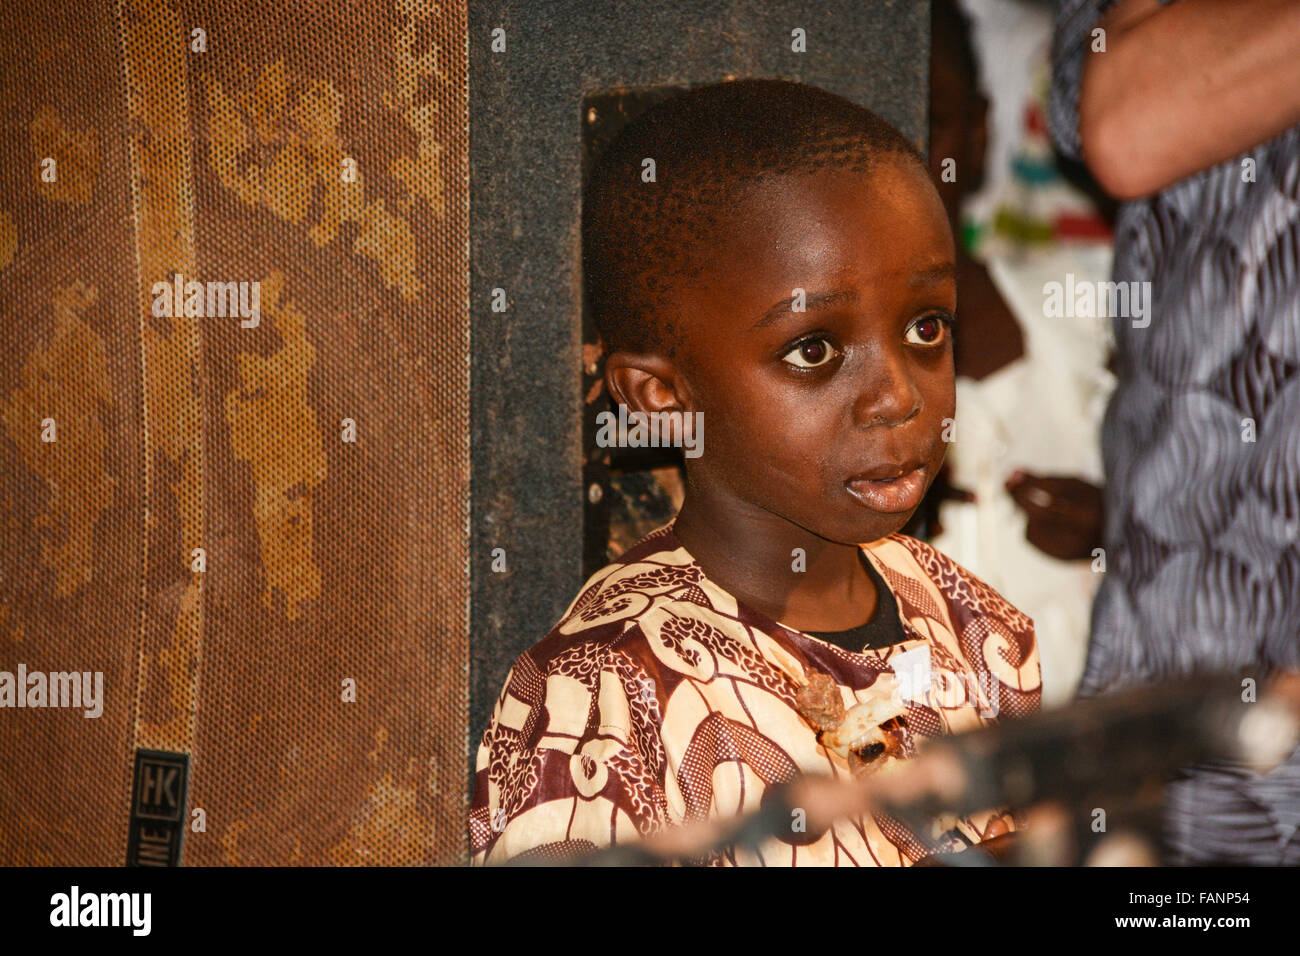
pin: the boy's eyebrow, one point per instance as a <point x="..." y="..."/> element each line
<point x="812" y="300"/>
<point x="935" y="273"/>
<point x="942" y="272"/>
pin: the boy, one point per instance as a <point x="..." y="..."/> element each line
<point x="785" y="269"/>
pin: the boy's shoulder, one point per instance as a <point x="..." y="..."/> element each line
<point x="608" y="604"/>
<point x="965" y="592"/>
<point x="994" y="636"/>
<point x="657" y="569"/>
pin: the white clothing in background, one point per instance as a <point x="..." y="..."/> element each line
<point x="1041" y="414"/>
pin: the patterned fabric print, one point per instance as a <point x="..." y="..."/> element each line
<point x="1203" y="523"/>
<point x="915" y="595"/>
<point x="659" y="699"/>
<point x="995" y="638"/>
<point x="641" y="764"/>
<point x="604" y="601"/>
<point x="962" y="586"/>
<point x="575" y="738"/>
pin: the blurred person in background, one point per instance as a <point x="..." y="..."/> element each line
<point x="1188" y="111"/>
<point x="1019" y="503"/>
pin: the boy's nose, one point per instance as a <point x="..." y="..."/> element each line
<point x="889" y="396"/>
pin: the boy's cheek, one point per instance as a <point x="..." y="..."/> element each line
<point x="944" y="405"/>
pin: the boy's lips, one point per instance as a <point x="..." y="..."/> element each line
<point x="889" y="489"/>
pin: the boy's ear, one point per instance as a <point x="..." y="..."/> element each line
<point x="645" y="383"/>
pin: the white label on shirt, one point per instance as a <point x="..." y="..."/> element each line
<point x="913" y="670"/>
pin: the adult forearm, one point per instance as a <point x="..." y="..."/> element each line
<point x="1184" y="87"/>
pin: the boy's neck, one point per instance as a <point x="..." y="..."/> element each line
<point x="750" y="553"/>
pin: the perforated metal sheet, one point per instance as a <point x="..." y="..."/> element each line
<point x="326" y="560"/>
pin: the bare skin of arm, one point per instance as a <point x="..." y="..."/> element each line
<point x="1065" y="513"/>
<point x="1185" y="87"/>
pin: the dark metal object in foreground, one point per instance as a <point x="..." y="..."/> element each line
<point x="1094" y="747"/>
<point x="1077" y="754"/>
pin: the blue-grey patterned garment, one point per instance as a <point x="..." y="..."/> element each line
<point x="1203" y="526"/>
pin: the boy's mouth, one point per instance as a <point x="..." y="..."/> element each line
<point x="889" y="489"/>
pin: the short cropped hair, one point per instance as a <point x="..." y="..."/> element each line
<point x="641" y="239"/>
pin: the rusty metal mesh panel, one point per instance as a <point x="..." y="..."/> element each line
<point x="229" y="158"/>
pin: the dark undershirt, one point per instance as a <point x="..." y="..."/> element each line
<point x="881" y="630"/>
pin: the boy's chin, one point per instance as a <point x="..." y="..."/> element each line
<point x="883" y="527"/>
<point x="863" y="529"/>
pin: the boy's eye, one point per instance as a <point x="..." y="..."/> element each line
<point x="927" y="330"/>
<point x="811" y="353"/>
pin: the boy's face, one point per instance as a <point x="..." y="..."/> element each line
<point x="803" y="409"/>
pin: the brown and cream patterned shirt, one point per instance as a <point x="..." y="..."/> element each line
<point x="659" y="699"/>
